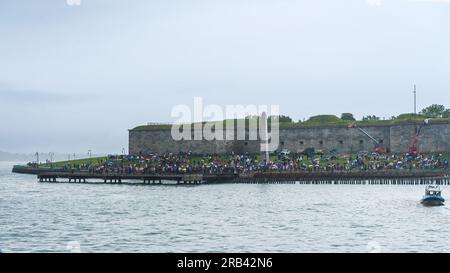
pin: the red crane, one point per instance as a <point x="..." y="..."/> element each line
<point x="413" y="147"/>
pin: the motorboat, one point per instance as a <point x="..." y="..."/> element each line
<point x="432" y="196"/>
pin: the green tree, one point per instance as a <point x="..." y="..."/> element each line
<point x="446" y="114"/>
<point x="282" y="118"/>
<point x="347" y="116"/>
<point x="433" y="111"/>
<point x="285" y="118"/>
<point x="370" y="117"/>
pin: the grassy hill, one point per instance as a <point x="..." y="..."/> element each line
<point x="321" y="121"/>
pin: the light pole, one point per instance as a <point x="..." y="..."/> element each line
<point x="266" y="136"/>
<point x="123" y="151"/>
<point x="37" y="159"/>
<point x="51" y="154"/>
<point x="415" y="100"/>
<point x="90" y="156"/>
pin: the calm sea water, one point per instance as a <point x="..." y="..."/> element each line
<point x="41" y="217"/>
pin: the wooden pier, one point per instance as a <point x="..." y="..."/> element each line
<point x="120" y="178"/>
<point x="312" y="178"/>
<point x="349" y="178"/>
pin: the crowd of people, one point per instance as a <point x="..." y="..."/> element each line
<point x="187" y="163"/>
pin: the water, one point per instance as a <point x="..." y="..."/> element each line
<point x="42" y="217"/>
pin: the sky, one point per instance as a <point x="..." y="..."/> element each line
<point x="75" y="75"/>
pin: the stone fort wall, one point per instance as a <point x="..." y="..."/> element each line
<point x="395" y="138"/>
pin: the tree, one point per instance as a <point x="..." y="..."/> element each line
<point x="433" y="111"/>
<point x="282" y="118"/>
<point x="446" y="114"/>
<point x="370" y="117"/>
<point x="285" y="118"/>
<point x="347" y="116"/>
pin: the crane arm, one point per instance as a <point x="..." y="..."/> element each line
<point x="376" y="142"/>
<point x="413" y="148"/>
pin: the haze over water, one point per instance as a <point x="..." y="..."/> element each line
<point x="43" y="217"/>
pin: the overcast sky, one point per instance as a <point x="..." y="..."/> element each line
<point x="74" y="78"/>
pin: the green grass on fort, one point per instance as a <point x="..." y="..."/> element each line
<point x="81" y="161"/>
<point x="317" y="121"/>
